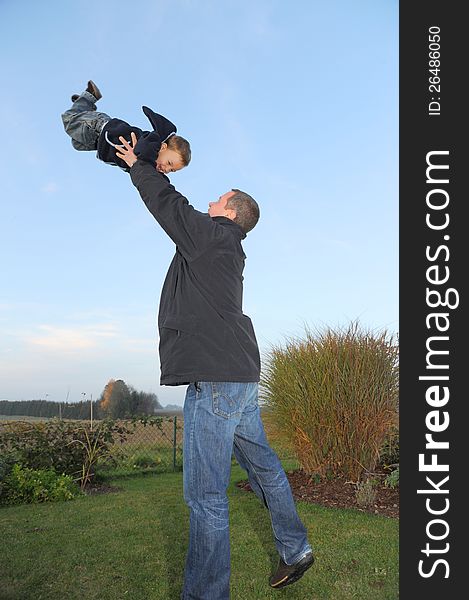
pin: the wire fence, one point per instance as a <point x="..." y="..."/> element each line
<point x="154" y="443"/>
<point x="159" y="444"/>
<point x="150" y="444"/>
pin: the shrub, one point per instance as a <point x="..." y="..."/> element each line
<point x="7" y="462"/>
<point x="333" y="398"/>
<point x="366" y="492"/>
<point x="392" y="480"/>
<point x="389" y="453"/>
<point x="72" y="448"/>
<point x="25" y="485"/>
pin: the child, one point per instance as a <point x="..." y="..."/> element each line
<point x="93" y="130"/>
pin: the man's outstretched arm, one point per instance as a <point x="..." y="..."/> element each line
<point x="191" y="230"/>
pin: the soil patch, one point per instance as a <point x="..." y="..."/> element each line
<point x="340" y="493"/>
<point x="101" y="488"/>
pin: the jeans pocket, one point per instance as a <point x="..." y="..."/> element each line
<point x="228" y="399"/>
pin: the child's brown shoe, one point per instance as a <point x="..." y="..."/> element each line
<point x="92" y="88"/>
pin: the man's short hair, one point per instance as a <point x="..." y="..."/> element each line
<point x="247" y="209"/>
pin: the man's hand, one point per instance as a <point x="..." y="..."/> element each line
<point x="126" y="151"/>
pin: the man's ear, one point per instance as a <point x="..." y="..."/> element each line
<point x="164" y="145"/>
<point x="231" y="213"/>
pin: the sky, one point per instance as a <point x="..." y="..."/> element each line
<point x="294" y="103"/>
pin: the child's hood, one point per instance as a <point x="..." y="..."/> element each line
<point x="160" y="124"/>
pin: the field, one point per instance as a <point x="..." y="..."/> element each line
<point x="23" y="418"/>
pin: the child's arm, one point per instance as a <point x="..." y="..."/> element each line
<point x="148" y="147"/>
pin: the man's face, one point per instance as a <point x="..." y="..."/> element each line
<point x="218" y="209"/>
<point x="168" y="160"/>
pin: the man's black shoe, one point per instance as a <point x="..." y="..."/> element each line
<point x="286" y="574"/>
<point x="75" y="97"/>
<point x="92" y="88"/>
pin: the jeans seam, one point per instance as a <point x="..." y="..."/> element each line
<point x="192" y="482"/>
<point x="194" y="493"/>
<point x="263" y="491"/>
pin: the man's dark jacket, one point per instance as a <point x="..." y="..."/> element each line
<point x="204" y="335"/>
<point x="149" y="142"/>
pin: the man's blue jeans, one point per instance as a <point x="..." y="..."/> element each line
<point x="219" y="419"/>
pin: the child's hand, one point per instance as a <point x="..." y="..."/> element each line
<point x="126" y="151"/>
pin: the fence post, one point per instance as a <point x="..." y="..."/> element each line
<point x="174" y="442"/>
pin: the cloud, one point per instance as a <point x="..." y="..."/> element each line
<point x="69" y="339"/>
<point x="260" y="24"/>
<point x="141" y="346"/>
<point x="50" y="188"/>
<point x="6" y="306"/>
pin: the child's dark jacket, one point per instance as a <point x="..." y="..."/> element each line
<point x="149" y="142"/>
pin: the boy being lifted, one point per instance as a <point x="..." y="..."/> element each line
<point x="93" y="130"/>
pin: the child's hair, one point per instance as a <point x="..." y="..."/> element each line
<point x="181" y="146"/>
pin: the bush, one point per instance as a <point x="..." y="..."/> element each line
<point x="7" y="462"/>
<point x="389" y="453"/>
<point x="72" y="448"/>
<point x="366" y="492"/>
<point x="333" y="398"/>
<point x="25" y="485"/>
<point x="392" y="480"/>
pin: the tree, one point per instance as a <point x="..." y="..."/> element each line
<point x="144" y="403"/>
<point x="116" y="399"/>
<point x="105" y="398"/>
<point x="120" y="401"/>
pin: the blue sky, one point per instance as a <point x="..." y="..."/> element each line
<point x="295" y="103"/>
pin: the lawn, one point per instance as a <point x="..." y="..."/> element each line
<point x="132" y="544"/>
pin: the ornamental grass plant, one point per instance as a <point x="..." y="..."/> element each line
<point x="332" y="398"/>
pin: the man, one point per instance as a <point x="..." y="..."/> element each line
<point x="208" y="344"/>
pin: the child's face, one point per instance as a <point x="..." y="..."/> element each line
<point x="168" y="160"/>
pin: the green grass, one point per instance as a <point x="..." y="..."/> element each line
<point x="152" y="458"/>
<point x="132" y="544"/>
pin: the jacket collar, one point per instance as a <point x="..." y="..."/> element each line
<point x="236" y="229"/>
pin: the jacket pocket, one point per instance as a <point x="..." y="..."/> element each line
<point x="185" y="323"/>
